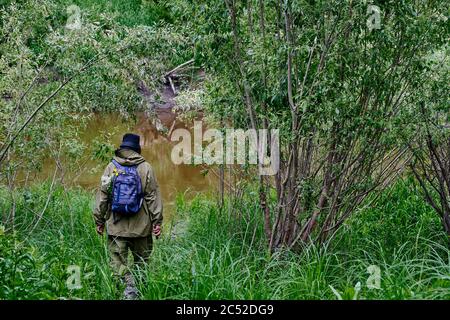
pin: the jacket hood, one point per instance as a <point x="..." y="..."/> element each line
<point x="127" y="157"/>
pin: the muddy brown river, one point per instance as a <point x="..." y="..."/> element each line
<point x="156" y="148"/>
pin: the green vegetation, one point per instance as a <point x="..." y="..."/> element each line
<point x="363" y="114"/>
<point x="222" y="256"/>
<point x="129" y="13"/>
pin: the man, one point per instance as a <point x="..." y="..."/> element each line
<point x="127" y="230"/>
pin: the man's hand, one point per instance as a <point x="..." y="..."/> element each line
<point x="157" y="230"/>
<point x="100" y="228"/>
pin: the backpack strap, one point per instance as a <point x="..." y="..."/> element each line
<point x="118" y="165"/>
<point x="123" y="168"/>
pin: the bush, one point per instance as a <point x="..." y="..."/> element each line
<point x="24" y="273"/>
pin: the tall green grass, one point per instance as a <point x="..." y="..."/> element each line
<point x="212" y="253"/>
<point x="64" y="236"/>
<point x="220" y="258"/>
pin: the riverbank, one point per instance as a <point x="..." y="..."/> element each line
<point x="216" y="255"/>
<point x="350" y="137"/>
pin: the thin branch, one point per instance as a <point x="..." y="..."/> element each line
<point x="54" y="93"/>
<point x="181" y="66"/>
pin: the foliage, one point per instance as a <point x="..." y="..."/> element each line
<point x="64" y="237"/>
<point x="38" y="52"/>
<point x="221" y="254"/>
<point x="426" y="132"/>
<point x="353" y="106"/>
<point x="332" y="85"/>
<point x="24" y="273"/>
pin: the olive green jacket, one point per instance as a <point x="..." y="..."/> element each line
<point x="151" y="213"/>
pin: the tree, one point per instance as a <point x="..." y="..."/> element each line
<point x="428" y="138"/>
<point x="333" y="85"/>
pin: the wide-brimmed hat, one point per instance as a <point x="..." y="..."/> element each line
<point x="131" y="141"/>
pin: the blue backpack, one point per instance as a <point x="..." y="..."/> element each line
<point x="127" y="195"/>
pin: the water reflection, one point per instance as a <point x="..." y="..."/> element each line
<point x="156" y="149"/>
